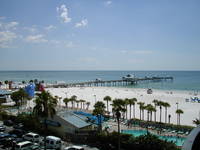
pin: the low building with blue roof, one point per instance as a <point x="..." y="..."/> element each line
<point x="68" y="123"/>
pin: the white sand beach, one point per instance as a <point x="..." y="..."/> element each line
<point x="191" y="109"/>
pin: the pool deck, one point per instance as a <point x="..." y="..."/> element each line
<point x="113" y="127"/>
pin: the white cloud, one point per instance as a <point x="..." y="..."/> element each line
<point x="83" y="23"/>
<point x="36" y="39"/>
<point x="124" y="51"/>
<point x="12" y="25"/>
<point x="69" y="44"/>
<point x="50" y="27"/>
<point x="32" y="29"/>
<point x="142" y="52"/>
<point x="6" y="37"/>
<point x="2" y="17"/>
<point x="56" y="42"/>
<point x="8" y="26"/>
<point x="63" y="13"/>
<point x="107" y="3"/>
<point x="88" y="60"/>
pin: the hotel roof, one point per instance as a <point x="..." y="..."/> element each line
<point x="76" y="120"/>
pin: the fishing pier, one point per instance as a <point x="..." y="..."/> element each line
<point x="98" y="82"/>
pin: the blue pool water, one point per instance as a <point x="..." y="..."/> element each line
<point x="177" y="140"/>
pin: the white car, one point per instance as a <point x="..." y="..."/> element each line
<point x="33" y="137"/>
<point x="52" y="142"/>
<point x="74" y="147"/>
<point x="23" y="145"/>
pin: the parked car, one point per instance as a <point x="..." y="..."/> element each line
<point x="33" y="137"/>
<point x="52" y="142"/>
<point x="74" y="147"/>
<point x="18" y="126"/>
<point x="8" y="122"/>
<point x="23" y="145"/>
<point x="2" y="128"/>
<point x="17" y="132"/>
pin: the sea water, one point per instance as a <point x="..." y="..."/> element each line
<point x="183" y="80"/>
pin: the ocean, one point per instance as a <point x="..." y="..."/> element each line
<point x="183" y="80"/>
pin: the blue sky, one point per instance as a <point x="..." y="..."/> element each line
<point x="99" y="35"/>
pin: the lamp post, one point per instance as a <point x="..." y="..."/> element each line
<point x="95" y="98"/>
<point x="177" y="114"/>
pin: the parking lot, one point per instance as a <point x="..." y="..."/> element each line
<point x="11" y="134"/>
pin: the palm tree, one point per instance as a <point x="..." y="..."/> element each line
<point x="134" y="101"/>
<point x="166" y="105"/>
<point x="118" y="108"/>
<point x="84" y="104"/>
<point x="44" y="108"/>
<point x="130" y="102"/>
<point x="23" y="82"/>
<point x="147" y="109"/>
<point x="6" y="82"/>
<point x="81" y="101"/>
<point x="196" y="122"/>
<point x="73" y="99"/>
<point x="87" y="104"/>
<point x="99" y="110"/>
<point x="155" y="101"/>
<point x="126" y="106"/>
<point x="107" y="99"/>
<point x="77" y="103"/>
<point x="141" y="104"/>
<point x="160" y="104"/>
<point x="66" y="101"/>
<point x="18" y="97"/>
<point x="179" y="112"/>
<point x="151" y="109"/>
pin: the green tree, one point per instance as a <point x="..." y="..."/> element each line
<point x="6" y="83"/>
<point x="82" y="101"/>
<point x="141" y="105"/>
<point x="130" y="102"/>
<point x="19" y="97"/>
<point x="66" y="101"/>
<point x="155" y="105"/>
<point x="77" y="103"/>
<point x="160" y="104"/>
<point x="166" y="105"/>
<point x="150" y="108"/>
<point x="134" y="101"/>
<point x="196" y="122"/>
<point x="126" y="100"/>
<point x="179" y="112"/>
<point x="107" y="99"/>
<point x="87" y="104"/>
<point x="45" y="105"/>
<point x="73" y="100"/>
<point x="99" y="111"/>
<point x="84" y="104"/>
<point x="118" y="108"/>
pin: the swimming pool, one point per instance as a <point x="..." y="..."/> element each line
<point x="177" y="140"/>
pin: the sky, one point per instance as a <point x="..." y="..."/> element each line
<point x="99" y="35"/>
